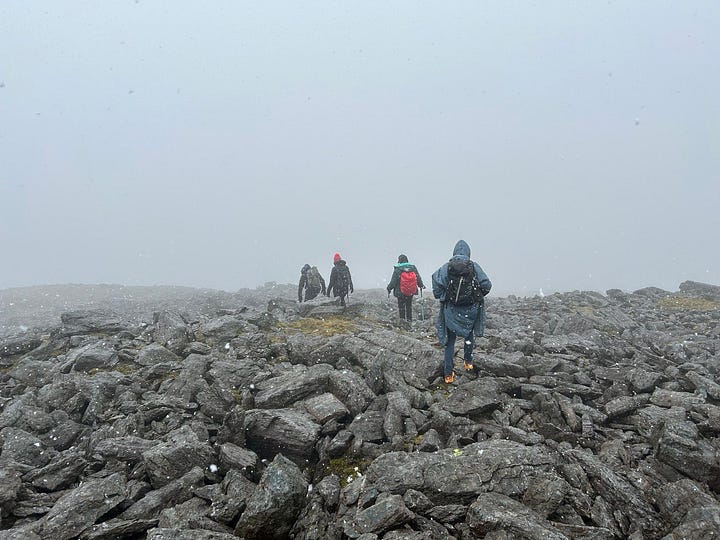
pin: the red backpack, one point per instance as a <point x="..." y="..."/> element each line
<point x="408" y="282"/>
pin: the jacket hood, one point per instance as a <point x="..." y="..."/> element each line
<point x="403" y="264"/>
<point x="461" y="249"/>
<point x="305" y="268"/>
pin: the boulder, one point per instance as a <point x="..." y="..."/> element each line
<point x="270" y="432"/>
<point x="173" y="492"/>
<point x="91" y="322"/>
<point x="154" y="353"/>
<point x="172" y="459"/>
<point x="276" y="502"/>
<point x="495" y="512"/>
<point x="79" y="509"/>
<point x="500" y="466"/>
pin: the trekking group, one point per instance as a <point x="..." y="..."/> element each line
<point x="460" y="285"/>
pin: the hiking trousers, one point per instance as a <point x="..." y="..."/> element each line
<point x="405" y="307"/>
<point x="450" y="351"/>
<point x="311" y="293"/>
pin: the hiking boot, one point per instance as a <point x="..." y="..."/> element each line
<point x="469" y="366"/>
<point x="449" y="379"/>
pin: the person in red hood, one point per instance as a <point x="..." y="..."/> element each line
<point x="340" y="279"/>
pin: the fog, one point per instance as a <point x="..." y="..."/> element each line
<point x="225" y="144"/>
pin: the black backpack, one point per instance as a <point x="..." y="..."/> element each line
<point x="343" y="280"/>
<point x="313" y="278"/>
<point x="463" y="288"/>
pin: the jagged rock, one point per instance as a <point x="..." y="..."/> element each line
<point x="196" y="347"/>
<point x="91" y="322"/>
<point x="19" y="345"/>
<point x="23" y="447"/>
<point x="191" y="515"/>
<point x="430" y="442"/>
<point x="26" y="413"/>
<point x="128" y="449"/>
<point x="669" y="398"/>
<point x="273" y="431"/>
<point x="501" y="466"/>
<point x="187" y="534"/>
<point x="643" y="380"/>
<point x="700" y="522"/>
<point x="476" y="397"/>
<point x="154" y="353"/>
<point x="98" y="355"/>
<point x="235" y="490"/>
<point x="170" y="460"/>
<point x="709" y="387"/>
<point x="325" y="407"/>
<point x="118" y="528"/>
<point x="174" y="492"/>
<point x="632" y="507"/>
<point x="676" y="499"/>
<point x="622" y="406"/>
<point x="680" y="446"/>
<point x="61" y="472"/>
<point x="34" y="372"/>
<point x="705" y="290"/>
<point x="9" y="486"/>
<point x="417" y="502"/>
<point x="368" y="426"/>
<point x="221" y="330"/>
<point x="496" y="512"/>
<point x="448" y="513"/>
<point x="501" y="367"/>
<point x="283" y="391"/>
<point x="79" y="509"/>
<point x="171" y="331"/>
<point x="387" y="513"/>
<point x="275" y="503"/>
<point x="232" y="456"/>
<point x="340" y="443"/>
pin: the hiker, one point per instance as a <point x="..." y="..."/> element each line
<point x="311" y="281"/>
<point x="405" y="283"/>
<point x="460" y="285"/>
<point x="340" y="280"/>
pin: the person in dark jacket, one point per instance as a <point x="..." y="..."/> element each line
<point x="311" y="281"/>
<point x="465" y="321"/>
<point x="396" y="286"/>
<point x="340" y="279"/>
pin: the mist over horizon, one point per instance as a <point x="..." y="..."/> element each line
<point x="574" y="147"/>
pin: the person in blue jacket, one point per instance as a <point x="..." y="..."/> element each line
<point x="456" y="319"/>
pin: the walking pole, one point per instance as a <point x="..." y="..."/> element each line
<point x="422" y="306"/>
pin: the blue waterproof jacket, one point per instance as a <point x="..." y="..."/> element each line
<point x="464" y="321"/>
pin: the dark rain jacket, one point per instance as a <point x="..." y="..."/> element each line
<point x="394" y="284"/>
<point x="462" y="320"/>
<point x="337" y="285"/>
<point x="304" y="282"/>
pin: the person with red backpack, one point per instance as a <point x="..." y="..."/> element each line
<point x="405" y="282"/>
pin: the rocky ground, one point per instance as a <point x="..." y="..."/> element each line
<point x="187" y="414"/>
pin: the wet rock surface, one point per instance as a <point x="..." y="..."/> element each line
<point x="179" y="413"/>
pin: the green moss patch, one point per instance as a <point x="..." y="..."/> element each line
<point x="327" y="327"/>
<point x="347" y="469"/>
<point x="687" y="304"/>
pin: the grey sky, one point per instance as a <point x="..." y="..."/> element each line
<point x="573" y="145"/>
